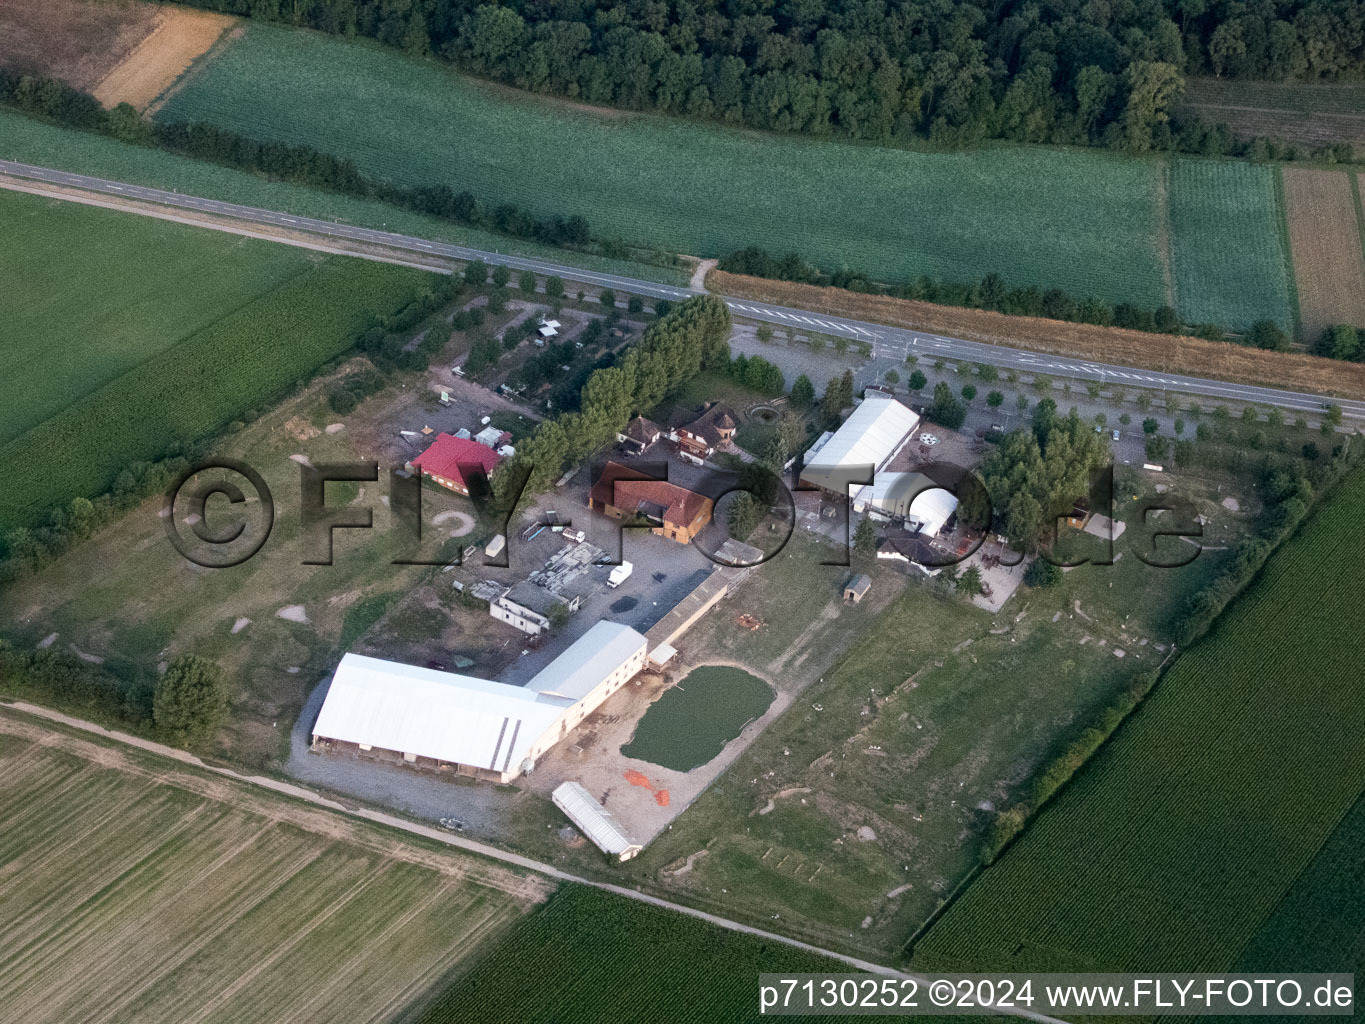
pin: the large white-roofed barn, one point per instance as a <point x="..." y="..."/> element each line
<point x="863" y="445"/>
<point x="470" y="726"/>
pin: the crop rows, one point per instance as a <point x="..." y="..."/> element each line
<point x="1228" y="252"/>
<point x="129" y="899"/>
<point x="1083" y="221"/>
<point x="244" y="360"/>
<point x="589" y="956"/>
<point x="91" y="293"/>
<point x="1183" y="834"/>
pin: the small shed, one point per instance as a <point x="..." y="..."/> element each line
<point x="594" y="821"/>
<point x="856" y="588"/>
<point x="662" y="655"/>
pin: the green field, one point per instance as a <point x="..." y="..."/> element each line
<point x="1085" y="221"/>
<point x="91" y="293"/>
<point x="1174" y="845"/>
<point x="692" y="721"/>
<point x="154" y="383"/>
<point x="1228" y="254"/>
<point x="1320" y="923"/>
<point x="136" y="889"/>
<point x="48" y="146"/>
<point x="590" y="956"/>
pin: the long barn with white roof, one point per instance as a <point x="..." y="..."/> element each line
<point x="862" y="446"/>
<point x="467" y="725"/>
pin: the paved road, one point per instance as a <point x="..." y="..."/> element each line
<point x="892" y="341"/>
<point x="482" y="849"/>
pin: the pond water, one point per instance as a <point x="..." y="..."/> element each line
<point x="691" y="723"/>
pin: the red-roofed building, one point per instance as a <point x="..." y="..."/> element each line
<point x="673" y="511"/>
<point x="450" y="457"/>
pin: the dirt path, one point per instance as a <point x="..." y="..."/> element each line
<point x="704" y="267"/>
<point x="1163" y="231"/>
<point x="16" y="722"/>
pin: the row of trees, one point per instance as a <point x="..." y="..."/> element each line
<point x="185" y="706"/>
<point x="993" y="293"/>
<point x="303" y="165"/>
<point x="693" y="336"/>
<point x="26" y="549"/>
<point x="950" y="70"/>
<point x="1342" y="341"/>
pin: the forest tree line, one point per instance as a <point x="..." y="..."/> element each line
<point x="952" y="71"/>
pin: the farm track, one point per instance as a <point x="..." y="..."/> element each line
<point x="319" y="815"/>
<point x="892" y="335"/>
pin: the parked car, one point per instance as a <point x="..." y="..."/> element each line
<point x="1116" y="435"/>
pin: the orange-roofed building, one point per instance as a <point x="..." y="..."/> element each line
<point x="672" y="511"/>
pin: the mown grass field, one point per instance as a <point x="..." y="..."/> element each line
<point x="1228" y="251"/>
<point x="1174" y="845"/>
<point x="136" y="890"/>
<point x="1085" y="221"/>
<point x="48" y="146"/>
<point x="91" y="293"/>
<point x="245" y="359"/>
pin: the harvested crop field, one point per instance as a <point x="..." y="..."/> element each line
<point x="135" y="889"/>
<point x="1325" y="235"/>
<point x="179" y="39"/>
<point x="1311" y="114"/>
<point x="1162" y="352"/>
<point x="75" y="40"/>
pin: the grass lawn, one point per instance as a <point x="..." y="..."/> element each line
<point x="1084" y="221"/>
<point x="140" y="889"/>
<point x="922" y="714"/>
<point x="37" y="143"/>
<point x="1229" y="255"/>
<point x="128" y="597"/>
<point x="91" y="293"/>
<point x="1176" y="843"/>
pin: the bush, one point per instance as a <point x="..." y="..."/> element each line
<point x="190" y="700"/>
<point x="1042" y="573"/>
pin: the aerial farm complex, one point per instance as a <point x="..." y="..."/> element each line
<point x="569" y="513"/>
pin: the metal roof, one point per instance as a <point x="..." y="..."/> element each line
<point x="594" y="820"/>
<point x="912" y="495"/>
<point x="591" y="658"/>
<point x="875" y="431"/>
<point x="442" y="715"/>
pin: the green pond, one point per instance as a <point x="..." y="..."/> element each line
<point x="692" y="721"/>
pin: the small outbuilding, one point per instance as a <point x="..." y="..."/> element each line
<point x="856" y="588"/>
<point x="594" y="821"/>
